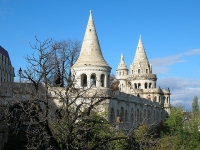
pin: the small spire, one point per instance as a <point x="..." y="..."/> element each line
<point x="140" y="54"/>
<point x="90" y="12"/>
<point x="122" y="57"/>
<point x="122" y="64"/>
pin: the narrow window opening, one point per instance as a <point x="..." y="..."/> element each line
<point x="145" y="85"/>
<point x="83" y="80"/>
<point x="93" y="80"/>
<point x="102" y="80"/>
<point x="138" y="71"/>
<point x="135" y="85"/>
<point x="150" y="85"/>
<point x="139" y="85"/>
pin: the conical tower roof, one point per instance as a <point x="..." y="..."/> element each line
<point x="140" y="55"/>
<point x="122" y="64"/>
<point x="90" y="54"/>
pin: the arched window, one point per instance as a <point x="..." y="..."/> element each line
<point x="135" y="85"/>
<point x="122" y="114"/>
<point x="112" y="115"/>
<point x="148" y="116"/>
<point x="145" y="114"/>
<point x="108" y="81"/>
<point x="147" y="71"/>
<point x="145" y="85"/>
<point x="138" y="71"/>
<point x="132" y="71"/>
<point x="120" y="73"/>
<point x="141" y="116"/>
<point x="117" y="112"/>
<point x="150" y="85"/>
<point x="159" y="99"/>
<point x="132" y="116"/>
<point x="102" y="80"/>
<point x="93" y="80"/>
<point x="138" y="117"/>
<point x="157" y="116"/>
<point x="83" y="80"/>
<point x="139" y="85"/>
<point x="167" y="99"/>
<point x="126" y="116"/>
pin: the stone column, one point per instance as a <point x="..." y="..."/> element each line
<point x="106" y="81"/>
<point x="98" y="80"/>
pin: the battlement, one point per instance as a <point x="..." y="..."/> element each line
<point x="142" y="76"/>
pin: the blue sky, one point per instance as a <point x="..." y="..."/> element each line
<point x="170" y="31"/>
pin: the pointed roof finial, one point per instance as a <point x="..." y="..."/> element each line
<point x="140" y="54"/>
<point x="122" y="64"/>
<point x="91" y="50"/>
<point x="122" y="57"/>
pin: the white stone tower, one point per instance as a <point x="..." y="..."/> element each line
<point x="91" y="69"/>
<point x="141" y="81"/>
<point x="121" y="74"/>
<point x="141" y="71"/>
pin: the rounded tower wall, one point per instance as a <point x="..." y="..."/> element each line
<point x="92" y="76"/>
<point x="91" y="69"/>
<point x="143" y="84"/>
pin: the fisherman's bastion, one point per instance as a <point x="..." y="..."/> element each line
<point x="138" y="99"/>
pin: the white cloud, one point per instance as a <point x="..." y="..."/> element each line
<point x="192" y="52"/>
<point x="166" y="61"/>
<point x="183" y="90"/>
<point x="160" y="64"/>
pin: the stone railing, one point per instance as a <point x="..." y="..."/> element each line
<point x="131" y="98"/>
<point x="122" y="126"/>
<point x="142" y="76"/>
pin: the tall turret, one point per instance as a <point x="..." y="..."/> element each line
<point x="141" y="76"/>
<point x="121" y="74"/>
<point x="140" y="63"/>
<point x="91" y="69"/>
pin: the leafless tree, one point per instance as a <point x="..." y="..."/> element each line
<point x="114" y="83"/>
<point x="64" y="55"/>
<point x="56" y="117"/>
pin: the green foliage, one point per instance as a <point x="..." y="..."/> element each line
<point x="141" y="134"/>
<point x="195" y="105"/>
<point x="93" y="132"/>
<point x="181" y="133"/>
<point x="175" y="121"/>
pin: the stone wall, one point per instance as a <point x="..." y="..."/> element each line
<point x="134" y="110"/>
